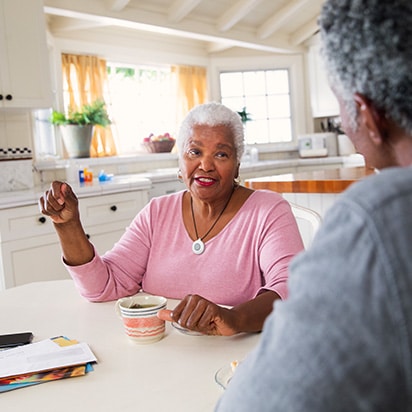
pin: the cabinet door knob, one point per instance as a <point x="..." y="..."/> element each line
<point x="1" y="97"/>
<point x="113" y="208"/>
<point x="9" y="97"/>
<point x="42" y="219"/>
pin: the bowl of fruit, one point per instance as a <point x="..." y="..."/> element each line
<point x="162" y="143"/>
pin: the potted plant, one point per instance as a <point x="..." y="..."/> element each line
<point x="244" y="116"/>
<point x="77" y="126"/>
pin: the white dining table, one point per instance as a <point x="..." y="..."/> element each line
<point x="175" y="374"/>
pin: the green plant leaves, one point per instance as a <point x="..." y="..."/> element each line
<point x="94" y="113"/>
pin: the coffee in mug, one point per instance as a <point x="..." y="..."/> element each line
<point x="139" y="316"/>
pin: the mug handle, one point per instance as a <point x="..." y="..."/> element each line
<point x="117" y="308"/>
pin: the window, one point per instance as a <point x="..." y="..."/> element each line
<point x="44" y="141"/>
<point x="142" y="101"/>
<point x="265" y="95"/>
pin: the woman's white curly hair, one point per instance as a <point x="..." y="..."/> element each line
<point x="212" y="114"/>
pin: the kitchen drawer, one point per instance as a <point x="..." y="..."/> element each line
<point x="29" y="260"/>
<point x="111" y="208"/>
<point x="105" y="236"/>
<point x="28" y="240"/>
<point x="27" y="221"/>
<point x="22" y="222"/>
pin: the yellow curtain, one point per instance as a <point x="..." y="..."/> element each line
<point x="191" y="88"/>
<point x="85" y="80"/>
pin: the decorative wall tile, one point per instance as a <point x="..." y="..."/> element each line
<point x="16" y="175"/>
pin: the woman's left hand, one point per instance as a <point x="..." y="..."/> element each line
<point x="200" y="315"/>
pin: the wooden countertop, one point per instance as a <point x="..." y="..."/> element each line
<point x="317" y="181"/>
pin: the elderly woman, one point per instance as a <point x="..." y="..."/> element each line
<point x="216" y="243"/>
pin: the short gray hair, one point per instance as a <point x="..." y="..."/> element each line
<point x="367" y="48"/>
<point x="212" y="114"/>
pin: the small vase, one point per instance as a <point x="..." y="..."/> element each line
<point x="77" y="139"/>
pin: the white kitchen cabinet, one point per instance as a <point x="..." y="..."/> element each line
<point x="323" y="101"/>
<point x="105" y="218"/>
<point x="25" y="80"/>
<point x="31" y="260"/>
<point x="29" y="247"/>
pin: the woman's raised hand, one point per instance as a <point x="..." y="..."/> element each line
<point x="59" y="203"/>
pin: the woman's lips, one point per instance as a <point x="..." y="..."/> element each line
<point x="205" y="181"/>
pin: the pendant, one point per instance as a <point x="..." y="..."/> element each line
<point x="198" y="247"/>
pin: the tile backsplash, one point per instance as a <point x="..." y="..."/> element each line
<point x="16" y="175"/>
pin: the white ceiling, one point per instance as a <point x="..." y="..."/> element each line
<point x="269" y="25"/>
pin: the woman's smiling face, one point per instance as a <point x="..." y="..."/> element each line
<point x="209" y="164"/>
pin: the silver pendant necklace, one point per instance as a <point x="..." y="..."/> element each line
<point x="198" y="246"/>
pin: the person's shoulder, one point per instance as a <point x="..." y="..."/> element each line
<point x="166" y="201"/>
<point x="383" y="187"/>
<point x="264" y="200"/>
<point x="262" y="195"/>
<point x="170" y="197"/>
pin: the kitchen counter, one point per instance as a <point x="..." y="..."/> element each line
<point x="125" y="182"/>
<point x="320" y="181"/>
<point x="117" y="185"/>
<point x="345" y="161"/>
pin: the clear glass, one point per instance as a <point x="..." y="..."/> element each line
<point x="44" y="136"/>
<point x="231" y="84"/>
<point x="142" y="101"/>
<point x="281" y="129"/>
<point x="254" y="83"/>
<point x="266" y="96"/>
<point x="278" y="106"/>
<point x="277" y="81"/>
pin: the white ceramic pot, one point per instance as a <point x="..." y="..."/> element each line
<point x="77" y="139"/>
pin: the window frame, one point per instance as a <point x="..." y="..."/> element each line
<point x="298" y="95"/>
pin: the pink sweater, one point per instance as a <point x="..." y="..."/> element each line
<point x="250" y="254"/>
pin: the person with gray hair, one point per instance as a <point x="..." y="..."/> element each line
<point x="219" y="247"/>
<point x="342" y="340"/>
<point x="212" y="114"/>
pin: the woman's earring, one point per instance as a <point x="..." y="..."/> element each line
<point x="236" y="181"/>
<point x="179" y="176"/>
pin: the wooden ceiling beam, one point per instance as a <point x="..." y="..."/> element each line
<point x="271" y="25"/>
<point x="117" y="5"/>
<point x="215" y="47"/>
<point x="63" y="24"/>
<point x="137" y="18"/>
<point x="304" y="32"/>
<point x="235" y="13"/>
<point x="179" y="9"/>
